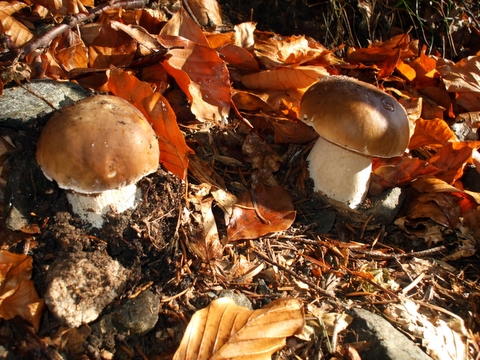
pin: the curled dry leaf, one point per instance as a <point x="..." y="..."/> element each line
<point x="443" y="208"/>
<point x="261" y="211"/>
<point x="14" y="29"/>
<point x="431" y="132"/>
<point x="463" y="78"/>
<point x="17" y="292"/>
<point x="224" y="330"/>
<point x="207" y="12"/>
<point x="284" y="78"/>
<point x="202" y="76"/>
<point x="181" y="24"/>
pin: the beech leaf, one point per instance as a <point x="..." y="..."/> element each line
<point x="201" y="75"/>
<point x="284" y="78"/>
<point x="18" y="33"/>
<point x="270" y="210"/>
<point x="224" y="330"/>
<point x="17" y="292"/>
<point x="157" y="110"/>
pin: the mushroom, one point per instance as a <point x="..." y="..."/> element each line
<point x="356" y="121"/>
<point x="98" y="149"/>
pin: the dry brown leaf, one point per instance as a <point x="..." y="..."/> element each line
<point x="244" y="34"/>
<point x="399" y="171"/>
<point x="284" y="78"/>
<point x="452" y="158"/>
<point x="149" y="43"/>
<point x="275" y="51"/>
<point x="261" y="211"/>
<point x="464" y="79"/>
<point x="173" y="148"/>
<point x="17" y="292"/>
<point x="443" y="208"/>
<point x="207" y="12"/>
<point x="17" y="32"/>
<point x="69" y="51"/>
<point x="202" y="76"/>
<point x="64" y="7"/>
<point x="405" y="70"/>
<point x="431" y="132"/>
<point x="238" y="57"/>
<point x="224" y="330"/>
<point x="182" y="25"/>
<point x="111" y="47"/>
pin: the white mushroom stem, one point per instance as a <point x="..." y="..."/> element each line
<point x="93" y="207"/>
<point x="340" y="174"/>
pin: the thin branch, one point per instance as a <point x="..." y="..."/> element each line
<point x="74" y="20"/>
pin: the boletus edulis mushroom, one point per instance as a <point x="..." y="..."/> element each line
<point x="356" y="121"/>
<point x="97" y="150"/>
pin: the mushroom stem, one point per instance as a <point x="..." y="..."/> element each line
<point x="340" y="174"/>
<point x="93" y="207"/>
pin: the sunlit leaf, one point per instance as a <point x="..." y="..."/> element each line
<point x="201" y="75"/>
<point x="284" y="78"/>
<point x="207" y="12"/>
<point x="64" y="7"/>
<point x="111" y="47"/>
<point x="443" y="208"/>
<point x="464" y="79"/>
<point x="238" y="57"/>
<point x="431" y="132"/>
<point x="17" y="292"/>
<point x="452" y="158"/>
<point x="182" y="25"/>
<point x="399" y="171"/>
<point x="70" y="51"/>
<point x="261" y="211"/>
<point x="14" y="29"/>
<point x="157" y="110"/>
<point x="224" y="330"/>
<point x="405" y="70"/>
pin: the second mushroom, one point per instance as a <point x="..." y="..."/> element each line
<point x="356" y="121"/>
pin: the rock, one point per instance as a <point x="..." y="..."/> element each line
<point x="81" y="285"/>
<point x="138" y="315"/>
<point x="387" y="343"/>
<point x="21" y="105"/>
<point x="239" y="298"/>
<point x="386" y="205"/>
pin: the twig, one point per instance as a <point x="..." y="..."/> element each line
<point x="294" y="274"/>
<point x="77" y="19"/>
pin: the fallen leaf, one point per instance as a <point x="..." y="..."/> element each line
<point x="443" y="208"/>
<point x="182" y="25"/>
<point x="201" y="75"/>
<point x="207" y="12"/>
<point x="261" y="211"/>
<point x="173" y="148"/>
<point x="452" y="158"/>
<point x="431" y="132"/>
<point x="224" y="330"/>
<point x="18" y="33"/>
<point x="284" y="78"/>
<point x="17" y="292"/>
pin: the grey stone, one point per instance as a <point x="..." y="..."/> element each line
<point x="20" y="105"/>
<point x="386" y="205"/>
<point x="138" y="315"/>
<point x="387" y="343"/>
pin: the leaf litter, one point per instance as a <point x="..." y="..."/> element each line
<point x="236" y="210"/>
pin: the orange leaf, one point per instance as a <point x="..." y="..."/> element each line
<point x="399" y="171"/>
<point x="181" y="24"/>
<point x="17" y="32"/>
<point x="111" y="47"/>
<point x="238" y="57"/>
<point x="201" y="75"/>
<point x="270" y="210"/>
<point x="157" y="110"/>
<point x="452" y="158"/>
<point x="17" y="292"/>
<point x="431" y="132"/>
<point x="284" y="78"/>
<point x="443" y="208"/>
<point x="388" y="65"/>
<point x="405" y="70"/>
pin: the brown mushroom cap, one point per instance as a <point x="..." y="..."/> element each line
<point x="356" y="115"/>
<point x="97" y="144"/>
